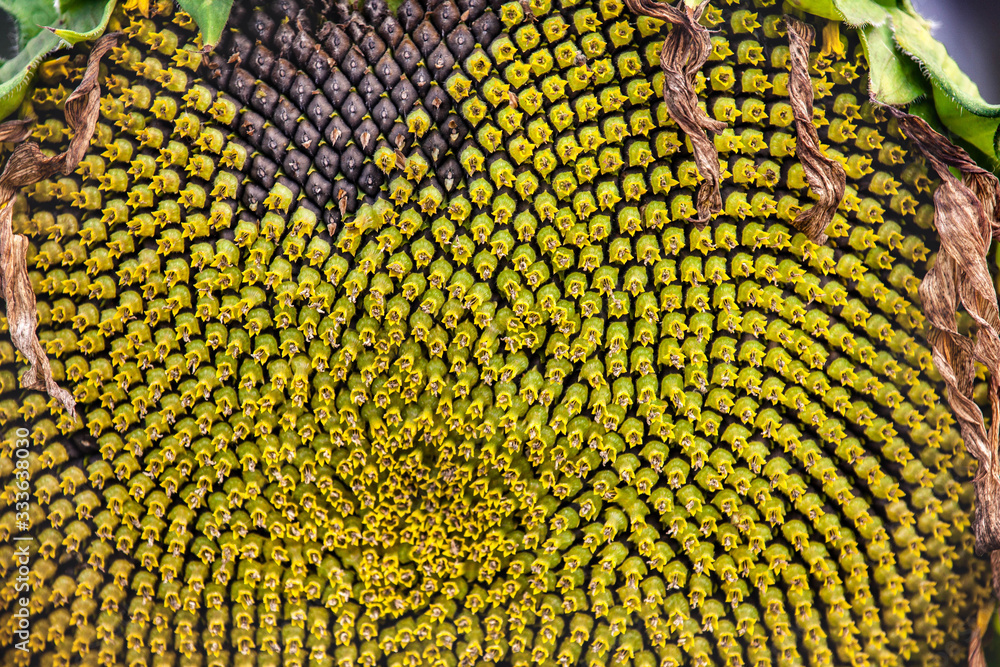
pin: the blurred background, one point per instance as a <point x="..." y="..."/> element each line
<point x="969" y="28"/>
<point x="8" y="36"/>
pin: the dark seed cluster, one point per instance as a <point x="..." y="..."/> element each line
<point x="393" y="344"/>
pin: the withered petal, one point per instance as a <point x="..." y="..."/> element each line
<point x="825" y="175"/>
<point x="28" y="165"/>
<point x="965" y="218"/>
<point x="685" y="50"/>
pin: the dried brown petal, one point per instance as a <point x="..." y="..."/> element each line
<point x="825" y="175"/>
<point x="29" y="165"/>
<point x="685" y="50"/>
<point x="16" y="130"/>
<point x="964" y="215"/>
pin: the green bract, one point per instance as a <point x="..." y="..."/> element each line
<point x="210" y="15"/>
<point x="900" y="49"/>
<point x="42" y="31"/>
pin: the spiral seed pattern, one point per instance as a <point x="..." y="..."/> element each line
<point x="393" y="344"/>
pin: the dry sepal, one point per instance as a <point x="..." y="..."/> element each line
<point x="26" y="166"/>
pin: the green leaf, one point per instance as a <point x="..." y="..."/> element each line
<point x="907" y="66"/>
<point x="31" y="16"/>
<point x="924" y="108"/>
<point x="211" y="17"/>
<point x="864" y="12"/>
<point x="16" y="74"/>
<point x="956" y="96"/>
<point x="914" y="38"/>
<point x="78" y="21"/>
<point x="893" y="78"/>
<point x="822" y="8"/>
<point x="978" y="130"/>
<point x="83" y="20"/>
<point x="852" y="12"/>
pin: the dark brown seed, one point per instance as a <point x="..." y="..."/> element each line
<point x="241" y="47"/>
<point x="307" y="137"/>
<point x="241" y="84"/>
<point x="461" y="42"/>
<point x="337" y="42"/>
<point x="319" y="66"/>
<point x="341" y="9"/>
<point x="327" y="162"/>
<point x="338" y="133"/>
<point x="285" y="8"/>
<point x="303" y="47"/>
<point x="319" y="111"/>
<point x="318" y="189"/>
<point x="445" y="17"/>
<point x="353" y="65"/>
<point x="264" y="99"/>
<point x="356" y="27"/>
<point x="239" y="14"/>
<point x="390" y="31"/>
<point x="261" y="61"/>
<point x="370" y="89"/>
<point x="351" y="161"/>
<point x="251" y="127"/>
<point x="332" y="217"/>
<point x="408" y="56"/>
<point x="286" y="116"/>
<point x="440" y="63"/>
<point x="283" y="39"/>
<point x="336" y="88"/>
<point x="404" y="96"/>
<point x="353" y="109"/>
<point x="366" y="135"/>
<point x="421" y="80"/>
<point x="225" y="44"/>
<point x="454" y="130"/>
<point x="346" y="195"/>
<point x="253" y="196"/>
<point x="263" y="171"/>
<point x="486" y="28"/>
<point x="399" y="137"/>
<point x="450" y="172"/>
<point x="261" y="26"/>
<point x="376" y="11"/>
<point x="296" y="165"/>
<point x="302" y="90"/>
<point x="282" y="75"/>
<point x="384" y="114"/>
<point x="387" y="71"/>
<point x="274" y="143"/>
<point x="426" y="38"/>
<point x="434" y="147"/>
<point x="475" y="8"/>
<point x="438" y="104"/>
<point x="371" y="179"/>
<point x="410" y="14"/>
<point x="219" y="70"/>
<point x="372" y="46"/>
